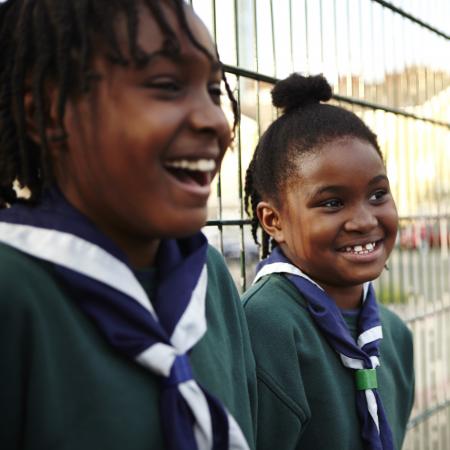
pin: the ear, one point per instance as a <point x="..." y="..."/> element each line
<point x="270" y="219"/>
<point x="53" y="130"/>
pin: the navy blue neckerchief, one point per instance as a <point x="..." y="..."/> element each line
<point x="142" y="333"/>
<point x="361" y="355"/>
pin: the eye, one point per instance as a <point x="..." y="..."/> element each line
<point x="332" y="204"/>
<point x="166" y="85"/>
<point x="215" y="92"/>
<point x="379" y="195"/>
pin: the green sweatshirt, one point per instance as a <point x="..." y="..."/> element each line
<point x="306" y="397"/>
<point x="62" y="387"/>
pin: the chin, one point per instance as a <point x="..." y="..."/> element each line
<point x="188" y="227"/>
<point x="364" y="277"/>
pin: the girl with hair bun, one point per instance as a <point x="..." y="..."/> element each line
<point x="335" y="369"/>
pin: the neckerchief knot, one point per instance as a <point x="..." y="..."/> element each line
<point x="181" y="371"/>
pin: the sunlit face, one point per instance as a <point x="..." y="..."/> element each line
<point x="338" y="220"/>
<point x="145" y="143"/>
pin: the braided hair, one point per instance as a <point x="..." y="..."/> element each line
<point x="305" y="125"/>
<point x="55" y="40"/>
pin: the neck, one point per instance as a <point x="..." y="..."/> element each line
<point x="345" y="297"/>
<point x="140" y="254"/>
<point x="140" y="249"/>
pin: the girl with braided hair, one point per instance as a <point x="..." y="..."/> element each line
<point x="120" y="328"/>
<point x="334" y="368"/>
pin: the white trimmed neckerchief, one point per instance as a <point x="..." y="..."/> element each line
<point x="361" y="356"/>
<point x="157" y="334"/>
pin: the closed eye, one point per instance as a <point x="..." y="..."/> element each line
<point x="164" y="85"/>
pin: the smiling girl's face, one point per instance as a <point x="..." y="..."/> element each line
<point x="337" y="220"/>
<point x="144" y="144"/>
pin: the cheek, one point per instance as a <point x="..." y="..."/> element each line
<point x="390" y="220"/>
<point x="225" y="137"/>
<point x="304" y="243"/>
<point x="393" y="217"/>
<point x="322" y="232"/>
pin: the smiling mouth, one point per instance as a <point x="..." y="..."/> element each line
<point x="198" y="171"/>
<point x="361" y="249"/>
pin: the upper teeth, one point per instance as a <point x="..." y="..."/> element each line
<point x="202" y="165"/>
<point x="360" y="249"/>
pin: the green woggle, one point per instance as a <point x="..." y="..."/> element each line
<point x="366" y="379"/>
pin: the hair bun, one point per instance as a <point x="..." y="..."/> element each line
<point x="296" y="91"/>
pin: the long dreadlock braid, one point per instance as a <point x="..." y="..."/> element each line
<point x="304" y="126"/>
<point x="55" y="40"/>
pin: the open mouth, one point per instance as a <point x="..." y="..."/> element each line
<point x="198" y="171"/>
<point x="361" y="249"/>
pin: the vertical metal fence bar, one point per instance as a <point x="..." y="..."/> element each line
<point x="337" y="89"/>
<point x="239" y="150"/>
<point x="272" y="30"/>
<point x="399" y="53"/>
<point x="307" y="62"/>
<point x="348" y="46"/>
<point x="291" y="35"/>
<point x="219" y="177"/>
<point x="379" y="94"/>
<point x="321" y="46"/>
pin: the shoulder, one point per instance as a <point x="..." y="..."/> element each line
<point x="276" y="294"/>
<point x="266" y="287"/>
<point x="29" y="289"/>
<point x="32" y="303"/>
<point x="276" y="316"/>
<point x="222" y="296"/>
<point x="393" y="325"/>
<point x="215" y="260"/>
<point x="277" y="320"/>
<point x="10" y="260"/>
<point x="219" y="277"/>
<point x="278" y="324"/>
<point x="397" y="342"/>
<point x="20" y="273"/>
<point x="397" y="369"/>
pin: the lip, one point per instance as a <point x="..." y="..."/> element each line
<point x="208" y="153"/>
<point x="192" y="188"/>
<point x="199" y="192"/>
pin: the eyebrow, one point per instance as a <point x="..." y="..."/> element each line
<point x="178" y="58"/>
<point x="378" y="178"/>
<point x="335" y="189"/>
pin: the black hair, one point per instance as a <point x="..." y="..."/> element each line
<point x="54" y="40"/>
<point x="305" y="125"/>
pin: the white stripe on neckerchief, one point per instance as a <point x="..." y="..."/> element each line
<point x="359" y="356"/>
<point x="88" y="261"/>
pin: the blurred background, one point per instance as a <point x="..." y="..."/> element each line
<point x="389" y="62"/>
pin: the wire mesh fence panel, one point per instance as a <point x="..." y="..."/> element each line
<point x="390" y="63"/>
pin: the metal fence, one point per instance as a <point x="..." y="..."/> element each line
<point x="389" y="62"/>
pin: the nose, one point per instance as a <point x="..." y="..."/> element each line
<point x="208" y="117"/>
<point x="362" y="219"/>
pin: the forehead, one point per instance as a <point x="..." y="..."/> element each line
<point x="152" y="34"/>
<point x="343" y="162"/>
